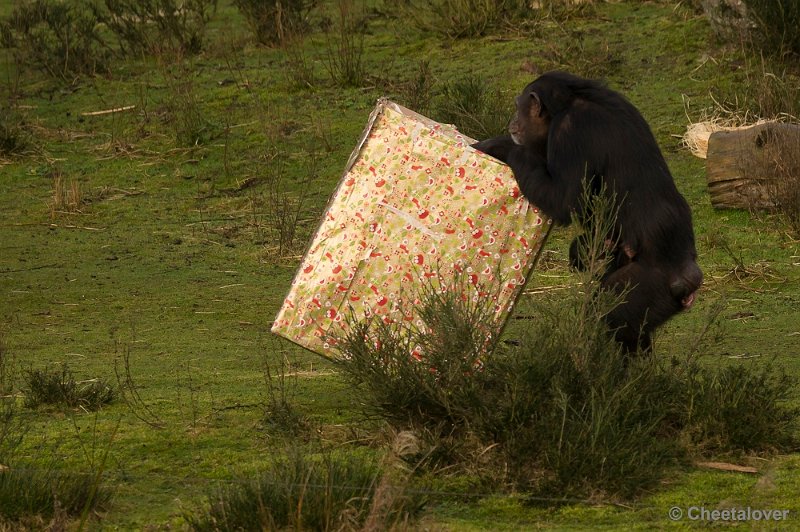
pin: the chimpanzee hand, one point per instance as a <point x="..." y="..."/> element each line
<point x="498" y="147"/>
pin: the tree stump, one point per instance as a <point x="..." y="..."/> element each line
<point x="752" y="167"/>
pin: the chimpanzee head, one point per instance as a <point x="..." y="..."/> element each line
<point x="531" y="121"/>
<point x="685" y="282"/>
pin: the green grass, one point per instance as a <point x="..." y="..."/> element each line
<point x="171" y="260"/>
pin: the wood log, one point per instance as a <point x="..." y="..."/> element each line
<point x="746" y="168"/>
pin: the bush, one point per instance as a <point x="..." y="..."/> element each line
<point x="457" y="18"/>
<point x="156" y="26"/>
<point x="776" y="25"/>
<point x="422" y="376"/>
<point x="301" y="493"/>
<point x="771" y="26"/>
<point x="12" y="427"/>
<point x="184" y="110"/>
<point x="29" y="492"/>
<point x="346" y="45"/>
<point x="740" y="408"/>
<point x="274" y="22"/>
<point x="474" y="107"/>
<point x="60" y="38"/>
<point x="15" y="138"/>
<point x="564" y="404"/>
<point x="784" y="190"/>
<point x="59" y="388"/>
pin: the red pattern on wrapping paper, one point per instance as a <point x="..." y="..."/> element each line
<point x="441" y="201"/>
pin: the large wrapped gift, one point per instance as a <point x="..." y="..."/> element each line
<point x="416" y="205"/>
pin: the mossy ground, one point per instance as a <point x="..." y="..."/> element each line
<point x="171" y="258"/>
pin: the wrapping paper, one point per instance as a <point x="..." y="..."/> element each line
<point x="415" y="205"/>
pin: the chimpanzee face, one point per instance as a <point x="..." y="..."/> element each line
<point x="531" y="122"/>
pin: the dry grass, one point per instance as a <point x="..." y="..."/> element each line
<point x="66" y="197"/>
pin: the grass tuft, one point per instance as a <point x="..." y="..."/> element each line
<point x="456" y="18"/>
<point x="46" y="492"/>
<point x="59" y="388"/>
<point x="335" y="492"/>
<point x="474" y="106"/>
<point x="15" y="137"/>
<point x="777" y="25"/>
<point x="273" y="23"/>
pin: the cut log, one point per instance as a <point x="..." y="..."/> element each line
<point x="746" y="168"/>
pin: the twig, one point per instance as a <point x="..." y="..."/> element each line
<point x="724" y="466"/>
<point x="42" y="267"/>
<point x="109" y="111"/>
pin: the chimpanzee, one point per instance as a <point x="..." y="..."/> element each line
<point x="569" y="133"/>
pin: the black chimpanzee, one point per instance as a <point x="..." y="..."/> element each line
<point x="569" y="132"/>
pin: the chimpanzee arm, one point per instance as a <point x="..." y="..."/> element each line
<point x="557" y="196"/>
<point x="497" y="147"/>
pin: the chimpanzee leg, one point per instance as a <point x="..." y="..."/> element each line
<point x="647" y="304"/>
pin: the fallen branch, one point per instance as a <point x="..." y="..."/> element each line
<point x="724" y="466"/>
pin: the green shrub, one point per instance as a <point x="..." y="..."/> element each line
<point x="61" y="38"/>
<point x="431" y="392"/>
<point x="563" y="403"/>
<point x="474" y="107"/>
<point x="777" y="25"/>
<point x="12" y="427"/>
<point x="157" y="26"/>
<point x="456" y="18"/>
<point x="59" y="388"/>
<point x="281" y="413"/>
<point x="345" y="48"/>
<point x="740" y="407"/>
<point x="302" y="493"/>
<point x="15" y="139"/>
<point x="184" y="110"/>
<point x="275" y="22"/>
<point x="44" y="491"/>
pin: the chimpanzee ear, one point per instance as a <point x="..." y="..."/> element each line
<point x="537" y="109"/>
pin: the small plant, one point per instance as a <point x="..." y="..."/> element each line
<point x="741" y="407"/>
<point x="784" y="190"/>
<point x="421" y="375"/>
<point x="59" y="388"/>
<point x="418" y="91"/>
<point x="15" y="139"/>
<point x="130" y="390"/>
<point x="776" y="24"/>
<point x="346" y="45"/>
<point x="456" y="18"/>
<point x="184" y="109"/>
<point x="281" y="413"/>
<point x="60" y="38"/>
<point x="12" y="428"/>
<point x="283" y="208"/>
<point x="767" y="90"/>
<point x="474" y="107"/>
<point x="302" y="493"/>
<point x="43" y="491"/>
<point x="157" y="26"/>
<point x="273" y="23"/>
<point x="67" y="196"/>
<point x="299" y="68"/>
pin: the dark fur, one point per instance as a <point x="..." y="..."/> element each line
<point x="594" y="133"/>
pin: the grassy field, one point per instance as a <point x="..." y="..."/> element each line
<point x="164" y="238"/>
